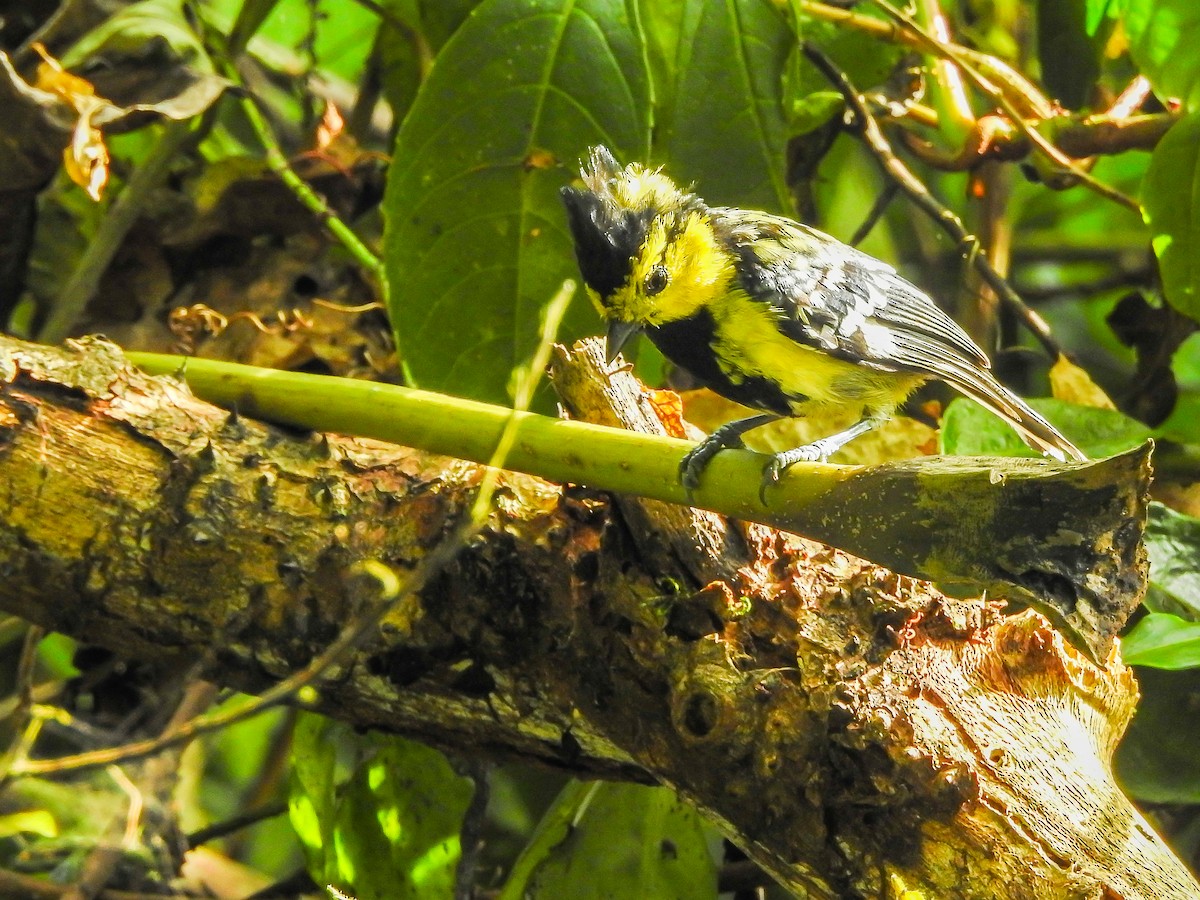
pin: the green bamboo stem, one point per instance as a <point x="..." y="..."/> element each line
<point x="1064" y="539"/>
<point x="555" y="449"/>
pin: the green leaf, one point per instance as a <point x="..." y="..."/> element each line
<point x="1171" y="205"/>
<point x="1173" y="543"/>
<point x="1156" y="761"/>
<point x="476" y="241"/>
<point x="29" y="821"/>
<point x="130" y="31"/>
<point x="1070" y="59"/>
<point x="616" y="840"/>
<point x="813" y="110"/>
<point x="1162" y="41"/>
<point x="1098" y="11"/>
<point x="662" y="23"/>
<point x="725" y="128"/>
<point x="441" y="18"/>
<point x="1163" y="641"/>
<point x="808" y="97"/>
<point x="378" y="816"/>
<point x="57" y="653"/>
<point x="970" y="430"/>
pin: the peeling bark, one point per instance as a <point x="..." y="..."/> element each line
<point x="857" y="732"/>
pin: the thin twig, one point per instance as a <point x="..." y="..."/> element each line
<point x="22" y="714"/>
<point x="237" y="823"/>
<point x="277" y="162"/>
<point x="1015" y="115"/>
<point x="912" y="186"/>
<point x="1131" y="99"/>
<point x="878" y="208"/>
<point x="471" y="835"/>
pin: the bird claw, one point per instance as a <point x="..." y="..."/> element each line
<point x="817" y="451"/>
<point x="692" y="466"/>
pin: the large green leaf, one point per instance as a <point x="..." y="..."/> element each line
<point x="725" y="128"/>
<point x="441" y="18"/>
<point x="661" y="22"/>
<point x="1171" y="204"/>
<point x="970" y="430"/>
<point x="378" y="816"/>
<point x="1162" y="41"/>
<point x="616" y="840"/>
<point x="476" y="241"/>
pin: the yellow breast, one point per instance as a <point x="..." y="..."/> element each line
<point x="749" y="344"/>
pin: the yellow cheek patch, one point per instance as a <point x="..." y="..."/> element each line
<point x="698" y="270"/>
<point x="702" y="269"/>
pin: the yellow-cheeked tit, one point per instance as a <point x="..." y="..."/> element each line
<point x="770" y="313"/>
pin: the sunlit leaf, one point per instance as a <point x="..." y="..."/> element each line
<point x="1097" y="11"/>
<point x="476" y="241"/>
<point x="970" y="430"/>
<point x="1171" y="201"/>
<point x="378" y="816"/>
<point x="616" y="840"/>
<point x="30" y="821"/>
<point x="56" y="653"/>
<point x="1163" y="641"/>
<point x="1162" y="41"/>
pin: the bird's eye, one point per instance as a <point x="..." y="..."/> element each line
<point x="656" y="280"/>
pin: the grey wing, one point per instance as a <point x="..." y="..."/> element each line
<point x="837" y="299"/>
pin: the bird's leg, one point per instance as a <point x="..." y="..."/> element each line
<point x="728" y="435"/>
<point x="817" y="451"/>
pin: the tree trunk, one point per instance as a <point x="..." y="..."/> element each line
<point x="855" y="731"/>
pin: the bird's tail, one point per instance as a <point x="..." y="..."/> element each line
<point x="1039" y="434"/>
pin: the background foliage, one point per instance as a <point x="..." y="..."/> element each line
<point x="462" y="120"/>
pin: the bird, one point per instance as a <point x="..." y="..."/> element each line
<point x="770" y="313"/>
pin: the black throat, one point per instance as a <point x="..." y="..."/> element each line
<point x="689" y="344"/>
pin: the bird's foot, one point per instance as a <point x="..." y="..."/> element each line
<point x="697" y="459"/>
<point x="817" y="451"/>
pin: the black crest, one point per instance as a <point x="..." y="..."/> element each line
<point x="607" y="238"/>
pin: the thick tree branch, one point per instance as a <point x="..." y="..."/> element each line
<point x="855" y="731"/>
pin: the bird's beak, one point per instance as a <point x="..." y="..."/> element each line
<point x="619" y="334"/>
